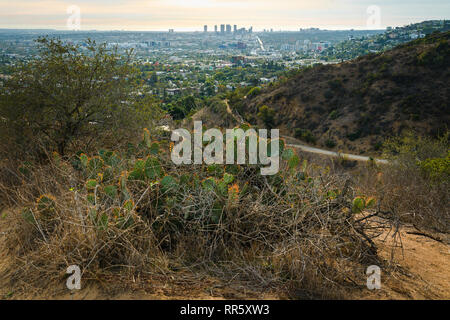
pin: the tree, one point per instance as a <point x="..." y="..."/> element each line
<point x="267" y="116"/>
<point x="67" y="94"/>
<point x="189" y="103"/>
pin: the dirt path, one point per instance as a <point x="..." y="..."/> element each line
<point x="296" y="144"/>
<point x="423" y="268"/>
<point x="421" y="271"/>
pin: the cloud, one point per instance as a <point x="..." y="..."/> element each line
<point x="193" y="14"/>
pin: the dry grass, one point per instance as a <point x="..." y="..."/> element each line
<point x="294" y="236"/>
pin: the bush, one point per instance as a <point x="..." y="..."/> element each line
<point x="415" y="184"/>
<point x="119" y="216"/>
<point x="330" y="143"/>
<point x="267" y="116"/>
<point x="305" y="135"/>
<point x="253" y="92"/>
<point x="66" y="94"/>
<point x="334" y="115"/>
<point x="436" y="56"/>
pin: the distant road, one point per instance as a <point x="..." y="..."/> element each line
<point x="260" y="43"/>
<point x="306" y="148"/>
<point x="335" y="154"/>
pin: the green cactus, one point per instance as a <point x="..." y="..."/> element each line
<point x="233" y="169"/>
<point x="215" y="170"/>
<point x="94" y="167"/>
<point x="152" y="168"/>
<point x="91" y="184"/>
<point x="228" y="178"/>
<point x="360" y="204"/>
<point x="154" y="148"/>
<point x="108" y="174"/>
<point x="287" y="154"/>
<point x="27" y="215"/>
<point x="222" y="188"/>
<point x="137" y="174"/>
<point x="185" y="179"/>
<point x="111" y="191"/>
<point x="293" y="162"/>
<point x="209" y="184"/>
<point x="123" y="180"/>
<point x="168" y="183"/>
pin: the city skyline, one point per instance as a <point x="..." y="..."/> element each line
<point x="193" y="15"/>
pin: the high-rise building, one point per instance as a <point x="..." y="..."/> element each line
<point x="235" y="28"/>
<point x="228" y="28"/>
<point x="222" y="28"/>
<point x="205" y="28"/>
<point x="250" y="30"/>
<point x="215" y="28"/>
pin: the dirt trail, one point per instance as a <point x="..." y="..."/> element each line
<point x="297" y="144"/>
<point x="423" y="268"/>
<point x="422" y="271"/>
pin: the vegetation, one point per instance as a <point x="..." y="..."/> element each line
<point x="104" y="194"/>
<point x="64" y="96"/>
<point x="267" y="116"/>
<point x="367" y="99"/>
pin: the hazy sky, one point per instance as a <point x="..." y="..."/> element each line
<point x="193" y="14"/>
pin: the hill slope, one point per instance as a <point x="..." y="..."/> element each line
<point x="355" y="105"/>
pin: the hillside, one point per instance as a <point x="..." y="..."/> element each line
<point x="355" y="105"/>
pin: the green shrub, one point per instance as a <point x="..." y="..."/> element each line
<point x="267" y="115"/>
<point x="330" y="143"/>
<point x="305" y="135"/>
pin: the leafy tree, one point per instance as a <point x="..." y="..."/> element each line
<point x="66" y="94"/>
<point x="267" y="116"/>
<point x="189" y="103"/>
<point x="153" y="78"/>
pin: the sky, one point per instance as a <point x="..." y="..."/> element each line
<point x="192" y="15"/>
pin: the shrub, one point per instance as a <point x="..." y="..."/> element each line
<point x="305" y="135"/>
<point x="253" y="92"/>
<point x="66" y="94"/>
<point x="295" y="230"/>
<point x="330" y="143"/>
<point x="334" y="115"/>
<point x="416" y="181"/>
<point x="267" y="115"/>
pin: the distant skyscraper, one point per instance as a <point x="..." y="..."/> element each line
<point x="228" y="28"/>
<point x="250" y="30"/>
<point x="215" y="28"/>
<point x="222" y="28"/>
<point x="235" y="28"/>
<point x="205" y="28"/>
